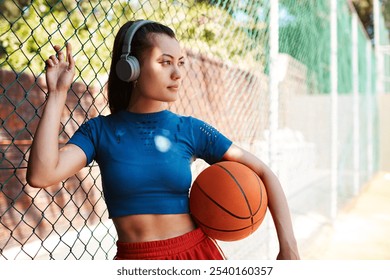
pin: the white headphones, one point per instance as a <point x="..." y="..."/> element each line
<point x="128" y="68"/>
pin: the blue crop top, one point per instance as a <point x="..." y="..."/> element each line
<point x="145" y="159"/>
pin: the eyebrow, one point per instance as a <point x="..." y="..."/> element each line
<point x="171" y="56"/>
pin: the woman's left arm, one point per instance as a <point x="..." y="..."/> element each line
<point x="277" y="202"/>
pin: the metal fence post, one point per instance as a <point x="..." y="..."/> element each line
<point x="273" y="90"/>
<point x="334" y="107"/>
<point x="378" y="54"/>
<point x="273" y="81"/>
<point x="369" y="97"/>
<point x="356" y="111"/>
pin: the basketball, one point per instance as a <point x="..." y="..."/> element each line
<point x="228" y="201"/>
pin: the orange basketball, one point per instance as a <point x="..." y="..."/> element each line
<point x="228" y="201"/>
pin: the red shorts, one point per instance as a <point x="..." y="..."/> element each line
<point x="194" y="245"/>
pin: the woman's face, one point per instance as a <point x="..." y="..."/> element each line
<point x="160" y="76"/>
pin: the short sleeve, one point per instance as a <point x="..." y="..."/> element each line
<point x="85" y="137"/>
<point x="210" y="144"/>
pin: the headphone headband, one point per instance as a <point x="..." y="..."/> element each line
<point x="127" y="67"/>
<point x="126" y="49"/>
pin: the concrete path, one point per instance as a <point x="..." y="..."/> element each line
<point x="362" y="229"/>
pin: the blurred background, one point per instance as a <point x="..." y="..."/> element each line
<point x="304" y="85"/>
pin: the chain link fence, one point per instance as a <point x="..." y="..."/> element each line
<point x="226" y="83"/>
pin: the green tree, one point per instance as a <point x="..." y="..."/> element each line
<point x="386" y="12"/>
<point x="365" y="8"/>
<point x="29" y="29"/>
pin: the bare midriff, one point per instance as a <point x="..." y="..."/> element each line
<point x="151" y="227"/>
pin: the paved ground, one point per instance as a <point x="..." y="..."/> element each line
<point x="361" y="230"/>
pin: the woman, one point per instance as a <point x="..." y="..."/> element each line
<point x="145" y="151"/>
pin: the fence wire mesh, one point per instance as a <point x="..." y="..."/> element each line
<point x="225" y="83"/>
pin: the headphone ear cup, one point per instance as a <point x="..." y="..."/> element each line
<point x="128" y="69"/>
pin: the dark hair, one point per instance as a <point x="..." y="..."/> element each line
<point x="118" y="91"/>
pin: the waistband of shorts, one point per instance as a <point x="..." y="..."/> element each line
<point x="167" y="246"/>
